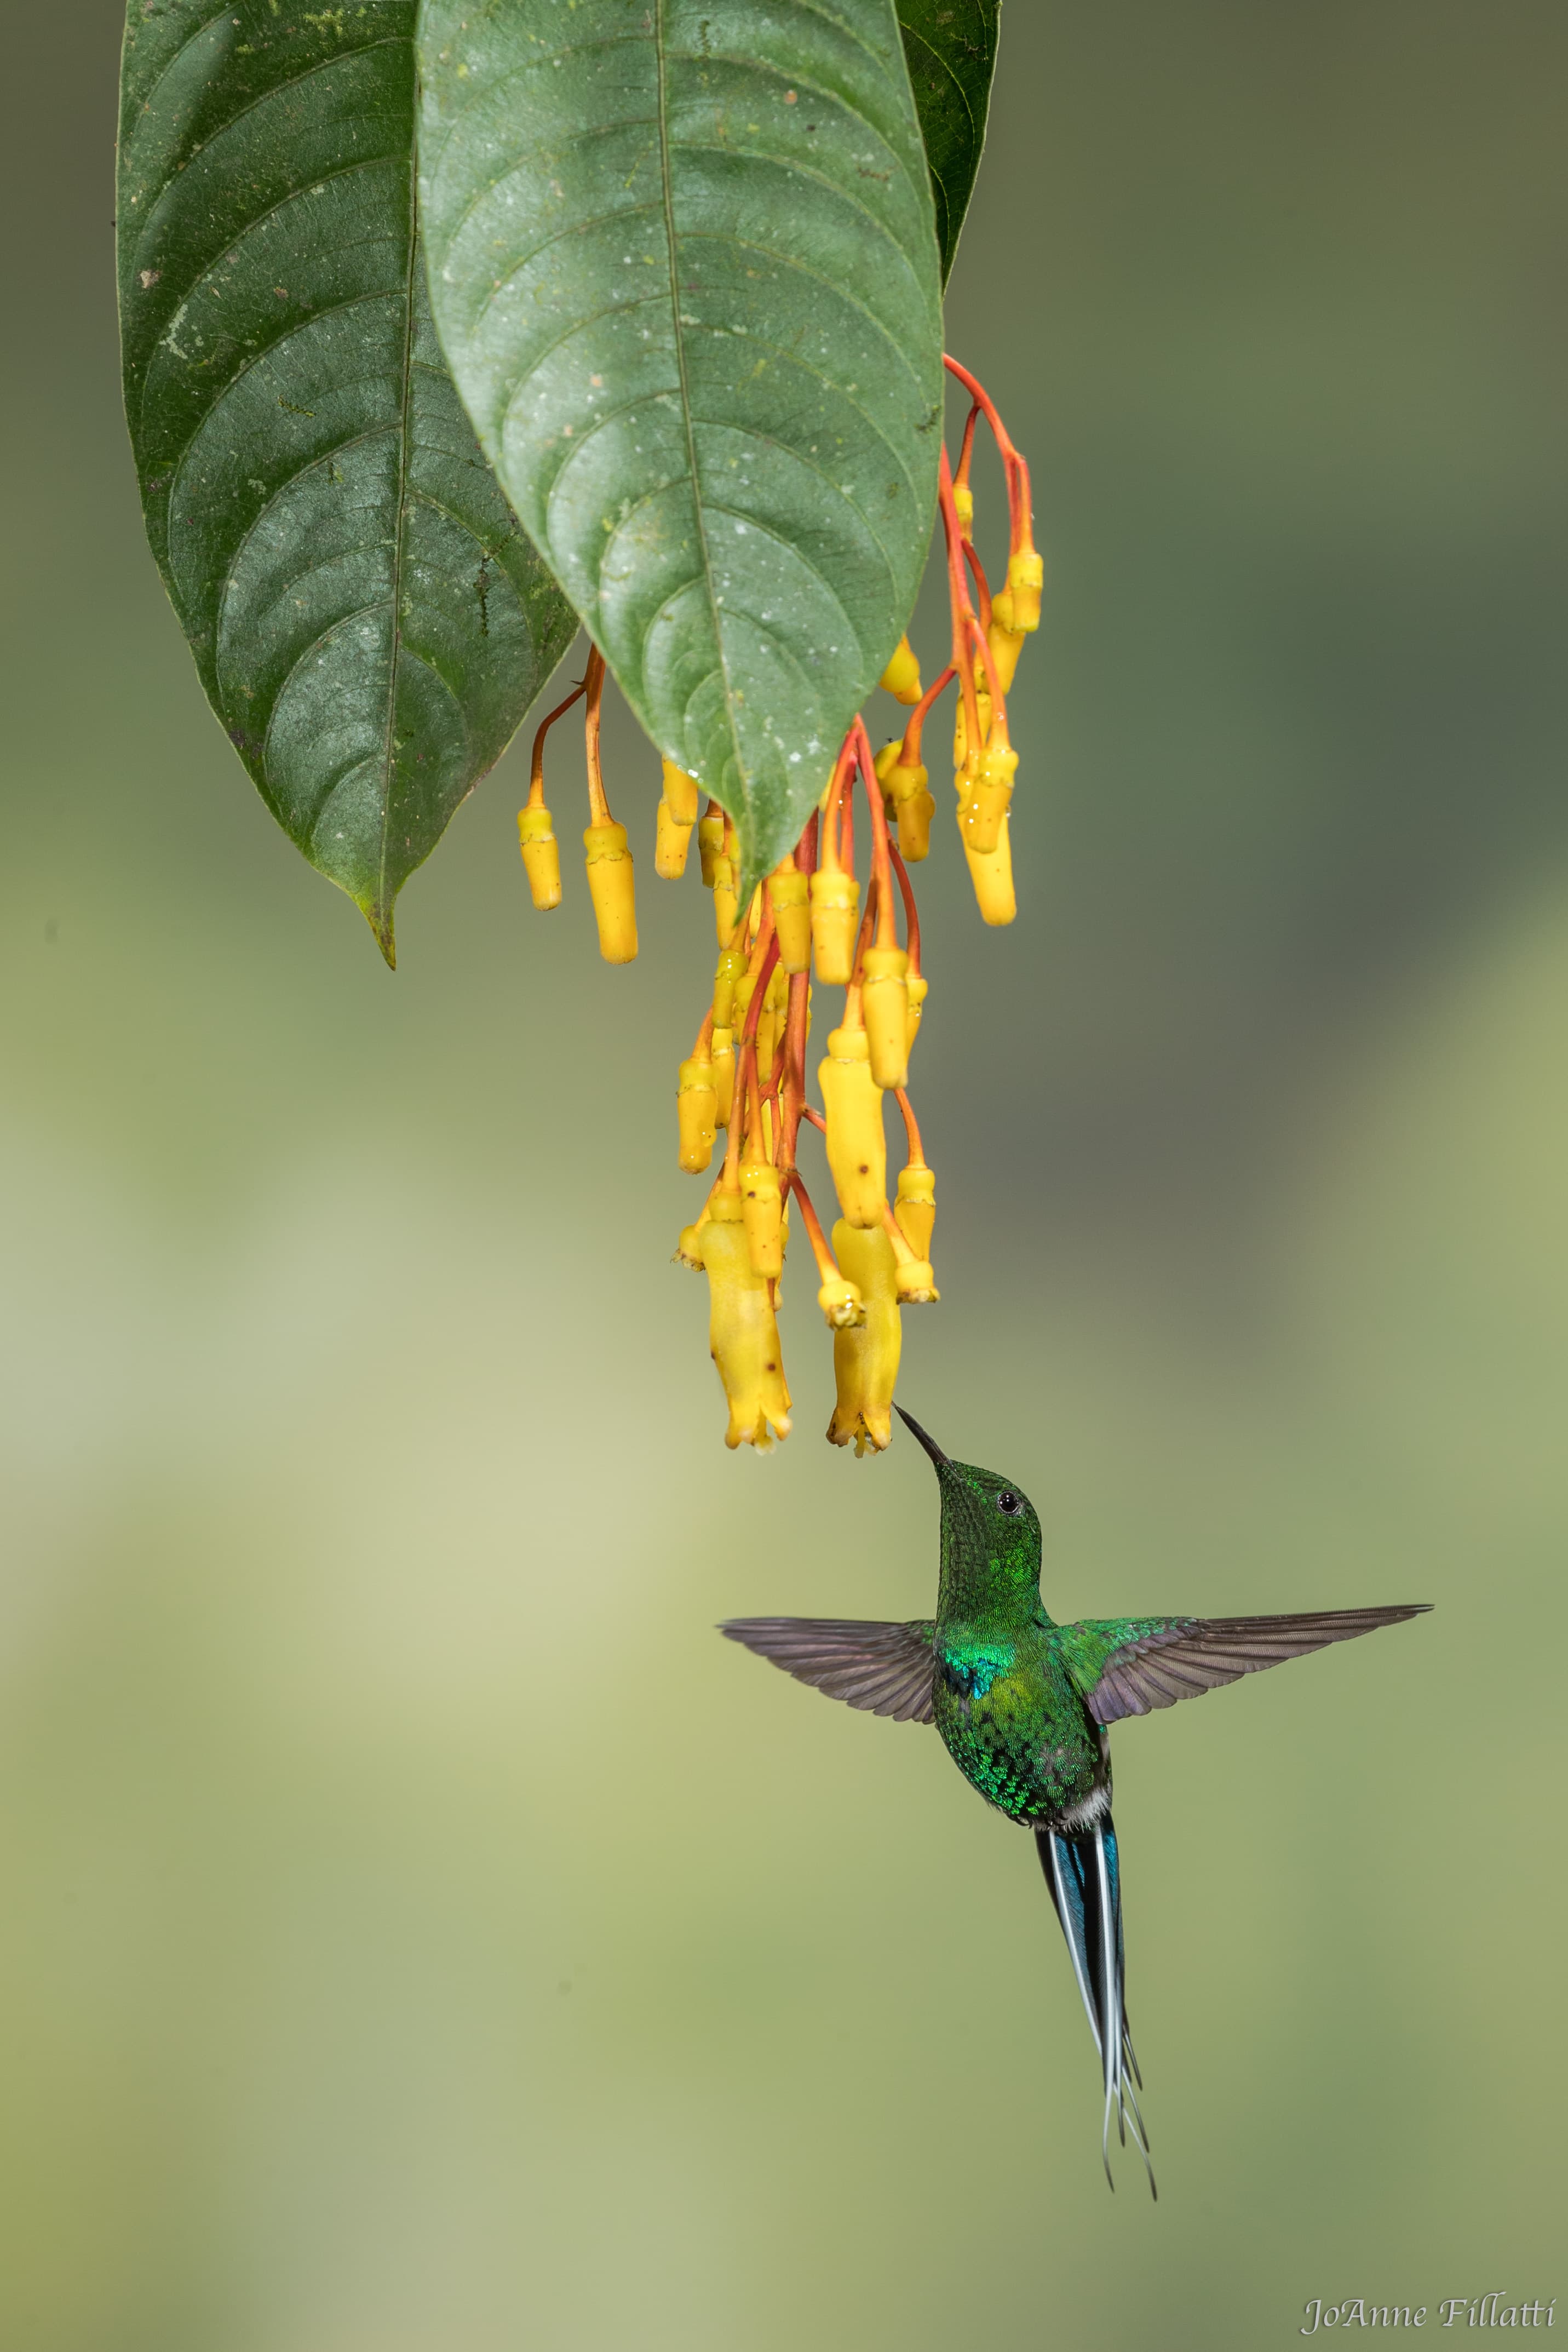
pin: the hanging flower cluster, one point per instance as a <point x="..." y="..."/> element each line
<point x="746" y="1077"/>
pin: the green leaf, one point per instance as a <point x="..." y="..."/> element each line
<point x="369" y="620"/>
<point x="684" y="266"/>
<point x="951" y="47"/>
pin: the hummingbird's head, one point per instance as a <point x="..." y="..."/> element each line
<point x="990" y="1530"/>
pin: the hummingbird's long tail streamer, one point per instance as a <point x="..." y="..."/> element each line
<point x="1084" y="1874"/>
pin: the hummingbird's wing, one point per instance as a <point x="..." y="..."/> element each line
<point x="1128" y="1666"/>
<point x="885" y="1669"/>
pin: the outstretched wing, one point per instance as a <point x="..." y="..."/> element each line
<point x="885" y="1669"/>
<point x="1126" y="1666"/>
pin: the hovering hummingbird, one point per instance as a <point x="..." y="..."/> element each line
<point x="1023" y="1705"/>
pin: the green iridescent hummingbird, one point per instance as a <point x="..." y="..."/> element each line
<point x="1024" y="1706"/>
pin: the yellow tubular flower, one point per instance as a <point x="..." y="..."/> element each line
<point x="865" y="1358"/>
<point x="670" y="841"/>
<point x="992" y="875"/>
<point x="916" y="986"/>
<point x="1006" y="643"/>
<point x="541" y="855"/>
<point x="986" y="797"/>
<point x="1026" y="577"/>
<point x="710" y="844"/>
<point x="901" y="679"/>
<point x="743" y="1332"/>
<point x="724" y="1073"/>
<point x="885" y="1006"/>
<point x="762" y="1212"/>
<point x="728" y="972"/>
<point x="914" y="808"/>
<point x="835" y="911"/>
<point x="680" y="795"/>
<point x="697" y="1110"/>
<point x="611" y="885"/>
<point x="916" y="1283"/>
<point x="790" y="896"/>
<point x="913" y="1279"/>
<point x="906" y="797"/>
<point x="917" y="1207"/>
<point x="726" y="899"/>
<point x="857" y="1149"/>
<point x="964" y="508"/>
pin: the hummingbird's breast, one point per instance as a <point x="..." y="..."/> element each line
<point x="1019" y="1733"/>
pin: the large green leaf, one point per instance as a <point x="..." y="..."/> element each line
<point x="369" y="620"/>
<point x="951" y="45"/>
<point x="684" y="266"/>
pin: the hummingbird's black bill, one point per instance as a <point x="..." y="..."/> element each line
<point x="930" y="1443"/>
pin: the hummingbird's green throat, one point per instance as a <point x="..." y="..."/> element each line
<point x="1024" y="1706"/>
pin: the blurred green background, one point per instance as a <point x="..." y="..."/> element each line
<point x="419" y="1930"/>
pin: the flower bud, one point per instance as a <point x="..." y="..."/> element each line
<point x="726" y="899"/>
<point x="710" y="844"/>
<point x="913" y="807"/>
<point x="611" y="886"/>
<point x="988" y="789"/>
<point x="857" y="1150"/>
<point x="697" y="1112"/>
<point x="670" y="845"/>
<point x="1026" y="577"/>
<point x="835" y="910"/>
<point x="762" y="1210"/>
<point x="866" y="1357"/>
<point x="689" y="1248"/>
<point x="884" y="1007"/>
<point x="916" y="986"/>
<point x="840" y="1304"/>
<point x="724" y="1073"/>
<point x="992" y="875"/>
<point x="743" y="1333"/>
<point x="680" y="794"/>
<point x="915" y="1210"/>
<point x="916" y="1283"/>
<point x="541" y="855"/>
<point x="901" y="679"/>
<point x="730" y="969"/>
<point x="790" y="896"/>
<point x="964" y="508"/>
<point x="745" y="990"/>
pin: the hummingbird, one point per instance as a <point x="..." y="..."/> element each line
<point x="1024" y="1707"/>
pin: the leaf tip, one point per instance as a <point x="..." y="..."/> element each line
<point x="380" y="920"/>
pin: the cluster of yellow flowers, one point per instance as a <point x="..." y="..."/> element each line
<point x="745" y="1074"/>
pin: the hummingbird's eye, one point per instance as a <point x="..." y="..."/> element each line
<point x="1011" y="1503"/>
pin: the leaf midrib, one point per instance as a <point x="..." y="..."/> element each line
<point x="686" y="417"/>
<point x="403" y="502"/>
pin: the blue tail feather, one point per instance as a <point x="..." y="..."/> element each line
<point x="1083" y="1873"/>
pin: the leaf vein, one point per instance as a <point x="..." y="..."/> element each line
<point x="383" y="294"/>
